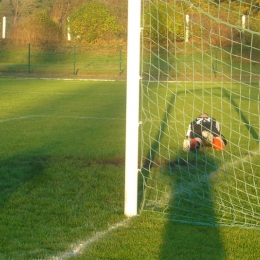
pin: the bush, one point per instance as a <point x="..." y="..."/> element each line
<point x="93" y="21"/>
<point x="36" y="29"/>
<point x="163" y="22"/>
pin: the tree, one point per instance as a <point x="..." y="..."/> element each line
<point x="60" y="9"/>
<point x="18" y="9"/>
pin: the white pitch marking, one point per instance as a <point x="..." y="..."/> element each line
<point x="35" y="92"/>
<point x="84" y="244"/>
<point x="46" y="116"/>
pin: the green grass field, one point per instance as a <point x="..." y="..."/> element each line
<point x="62" y="182"/>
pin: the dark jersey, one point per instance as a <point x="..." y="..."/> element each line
<point x="201" y="124"/>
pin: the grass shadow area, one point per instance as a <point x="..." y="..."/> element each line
<point x="16" y="171"/>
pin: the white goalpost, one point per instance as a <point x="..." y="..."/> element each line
<point x="132" y="107"/>
<point x="195" y="56"/>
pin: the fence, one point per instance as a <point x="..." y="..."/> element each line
<point x="63" y="60"/>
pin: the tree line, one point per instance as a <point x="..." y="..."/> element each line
<point x="217" y="20"/>
<point x="45" y="21"/>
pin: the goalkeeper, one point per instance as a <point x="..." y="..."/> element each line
<point x="204" y="131"/>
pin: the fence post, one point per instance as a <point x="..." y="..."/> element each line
<point x="120" y="62"/>
<point x="29" y="58"/>
<point x="75" y="73"/>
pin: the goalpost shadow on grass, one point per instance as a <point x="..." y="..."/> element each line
<point x="247" y="124"/>
<point x="16" y="171"/>
<point x="184" y="197"/>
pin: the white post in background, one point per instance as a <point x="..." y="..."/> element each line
<point x="4" y="27"/>
<point x="243" y="28"/>
<point x="243" y="22"/>
<point x="69" y="37"/>
<point x="187" y="28"/>
<point x="132" y="107"/>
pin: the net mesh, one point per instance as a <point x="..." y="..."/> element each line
<point x="201" y="56"/>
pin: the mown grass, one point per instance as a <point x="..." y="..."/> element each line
<point x="62" y="181"/>
<point x="151" y="238"/>
<point x="62" y="163"/>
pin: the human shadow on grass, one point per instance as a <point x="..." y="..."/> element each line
<point x="191" y="231"/>
<point x="180" y="192"/>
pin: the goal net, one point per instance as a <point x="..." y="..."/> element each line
<point x="201" y="56"/>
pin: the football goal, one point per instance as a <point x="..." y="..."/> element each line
<point x="195" y="57"/>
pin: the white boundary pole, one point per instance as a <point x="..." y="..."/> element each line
<point x="187" y="28"/>
<point x="243" y="22"/>
<point x="132" y="107"/>
<point x="69" y="37"/>
<point x="4" y="27"/>
<point x="243" y="28"/>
